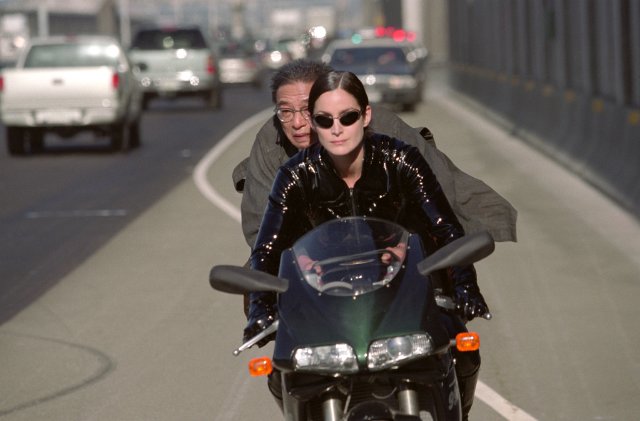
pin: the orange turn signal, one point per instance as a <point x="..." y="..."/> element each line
<point x="260" y="366"/>
<point x="467" y="341"/>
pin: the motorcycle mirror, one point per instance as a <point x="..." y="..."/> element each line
<point x="242" y="280"/>
<point x="463" y="251"/>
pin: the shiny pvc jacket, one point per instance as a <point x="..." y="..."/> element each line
<point x="396" y="184"/>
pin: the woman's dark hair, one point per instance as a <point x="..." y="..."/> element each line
<point x="300" y="70"/>
<point x="333" y="80"/>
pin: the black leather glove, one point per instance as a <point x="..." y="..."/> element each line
<point x="262" y="312"/>
<point x="469" y="301"/>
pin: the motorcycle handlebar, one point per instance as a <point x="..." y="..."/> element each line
<point x="447" y="303"/>
<point x="272" y="328"/>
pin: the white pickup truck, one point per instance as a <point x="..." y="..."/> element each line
<point x="66" y="85"/>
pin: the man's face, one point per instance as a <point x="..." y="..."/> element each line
<point x="295" y="96"/>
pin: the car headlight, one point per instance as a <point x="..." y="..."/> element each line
<point x="402" y="82"/>
<point x="388" y="352"/>
<point x="338" y="358"/>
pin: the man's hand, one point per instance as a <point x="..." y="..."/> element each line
<point x="469" y="301"/>
<point x="307" y="264"/>
<point x="398" y="251"/>
<point x="256" y="326"/>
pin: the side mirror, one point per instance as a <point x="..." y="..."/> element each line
<point x="243" y="280"/>
<point x="463" y="251"/>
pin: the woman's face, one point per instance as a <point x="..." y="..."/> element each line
<point x="342" y="137"/>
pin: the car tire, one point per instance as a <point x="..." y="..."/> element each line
<point x="134" y="135"/>
<point x="15" y="140"/>
<point x="409" y="106"/>
<point x="118" y="137"/>
<point x="214" y="99"/>
<point x="146" y="99"/>
<point x="36" y="140"/>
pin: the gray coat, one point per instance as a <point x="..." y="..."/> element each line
<point x="476" y="205"/>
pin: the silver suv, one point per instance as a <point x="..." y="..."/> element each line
<point x="176" y="62"/>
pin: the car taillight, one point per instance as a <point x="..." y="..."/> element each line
<point x="211" y="67"/>
<point x="115" y="81"/>
<point x="1" y="83"/>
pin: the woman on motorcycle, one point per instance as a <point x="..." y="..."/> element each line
<point x="352" y="171"/>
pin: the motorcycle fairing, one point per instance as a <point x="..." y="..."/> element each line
<point x="404" y="306"/>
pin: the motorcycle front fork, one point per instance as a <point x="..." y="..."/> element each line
<point x="408" y="401"/>
<point x="333" y="410"/>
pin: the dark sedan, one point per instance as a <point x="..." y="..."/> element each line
<point x="391" y="71"/>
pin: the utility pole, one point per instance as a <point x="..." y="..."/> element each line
<point x="124" y="12"/>
<point x="43" y="20"/>
<point x="237" y="29"/>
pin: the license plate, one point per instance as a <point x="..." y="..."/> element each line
<point x="64" y="117"/>
<point x="168" y="85"/>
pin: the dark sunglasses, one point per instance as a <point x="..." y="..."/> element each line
<point x="346" y="119"/>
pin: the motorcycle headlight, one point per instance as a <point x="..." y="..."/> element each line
<point x="338" y="358"/>
<point x="388" y="352"/>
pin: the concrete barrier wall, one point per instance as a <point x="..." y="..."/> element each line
<point x="597" y="139"/>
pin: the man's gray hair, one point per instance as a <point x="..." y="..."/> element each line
<point x="300" y="70"/>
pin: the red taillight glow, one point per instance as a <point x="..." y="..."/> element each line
<point x="211" y="68"/>
<point x="1" y="83"/>
<point x="115" y="81"/>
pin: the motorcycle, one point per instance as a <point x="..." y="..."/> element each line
<point x="358" y="334"/>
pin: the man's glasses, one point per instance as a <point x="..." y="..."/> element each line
<point x="285" y="115"/>
<point x="346" y="119"/>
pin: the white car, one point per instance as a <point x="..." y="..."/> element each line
<point x="176" y="62"/>
<point x="239" y="64"/>
<point x="66" y="85"/>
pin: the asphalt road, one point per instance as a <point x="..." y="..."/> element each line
<point x="132" y="330"/>
<point x="60" y="206"/>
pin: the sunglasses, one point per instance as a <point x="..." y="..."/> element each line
<point x="346" y="119"/>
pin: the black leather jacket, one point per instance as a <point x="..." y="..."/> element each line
<point x="396" y="184"/>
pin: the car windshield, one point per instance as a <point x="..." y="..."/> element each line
<point x="72" y="55"/>
<point x="169" y="40"/>
<point x="351" y="256"/>
<point x="371" y="60"/>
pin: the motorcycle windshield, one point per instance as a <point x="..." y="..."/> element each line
<point x="353" y="281"/>
<point x="351" y="256"/>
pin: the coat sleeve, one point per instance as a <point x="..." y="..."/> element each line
<point x="265" y="158"/>
<point x="430" y="205"/>
<point x="476" y="205"/>
<point x="280" y="225"/>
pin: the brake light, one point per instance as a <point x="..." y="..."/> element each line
<point x="467" y="341"/>
<point x="260" y="366"/>
<point x="211" y="67"/>
<point x="1" y="83"/>
<point x="115" y="81"/>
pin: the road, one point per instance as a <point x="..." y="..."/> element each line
<point x="65" y="203"/>
<point x="128" y="328"/>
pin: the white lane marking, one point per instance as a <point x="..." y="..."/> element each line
<point x="483" y="392"/>
<point x="79" y="213"/>
<point x="200" y="172"/>
<point x="499" y="404"/>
